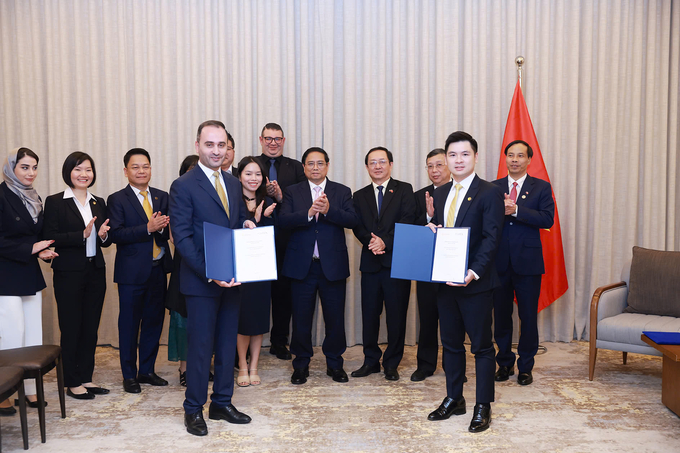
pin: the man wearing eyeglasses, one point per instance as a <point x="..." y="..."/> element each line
<point x="428" y="343"/>
<point x="281" y="172"/>
<point x="380" y="205"/>
<point x="317" y="211"/>
<point x="229" y="157"/>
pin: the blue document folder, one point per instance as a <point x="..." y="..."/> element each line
<point x="412" y="252"/>
<point x="218" y="243"/>
<point x="664" y="337"/>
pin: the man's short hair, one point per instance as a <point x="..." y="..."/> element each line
<point x="71" y="162"/>
<point x="435" y="152"/>
<point x="231" y="139"/>
<point x="273" y="127"/>
<point x="315" y="149"/>
<point x="390" y="158"/>
<point x="460" y="136"/>
<point x="530" y="152"/>
<point x="213" y="123"/>
<point x="135" y="152"/>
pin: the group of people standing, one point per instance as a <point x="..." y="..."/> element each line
<point x="310" y="213"/>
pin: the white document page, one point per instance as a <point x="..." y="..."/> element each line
<point x="451" y="255"/>
<point x="254" y="254"/>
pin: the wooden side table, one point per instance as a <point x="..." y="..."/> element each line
<point x="670" y="375"/>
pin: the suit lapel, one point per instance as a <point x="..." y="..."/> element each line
<point x="134" y="201"/>
<point x="388" y="196"/>
<point x="527" y="187"/>
<point x="467" y="201"/>
<point x="18" y="206"/>
<point x="440" y="202"/>
<point x="71" y="203"/>
<point x="370" y="201"/>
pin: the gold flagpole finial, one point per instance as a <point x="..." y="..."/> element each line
<point x="519" y="61"/>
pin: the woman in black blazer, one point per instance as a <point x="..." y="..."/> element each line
<point x="21" y="280"/>
<point x="77" y="222"/>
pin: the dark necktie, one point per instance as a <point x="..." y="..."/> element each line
<point x="380" y="198"/>
<point x="272" y="170"/>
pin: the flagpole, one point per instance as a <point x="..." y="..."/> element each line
<point x="519" y="61"/>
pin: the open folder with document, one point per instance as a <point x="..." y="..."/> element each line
<point x="246" y="255"/>
<point x="419" y="254"/>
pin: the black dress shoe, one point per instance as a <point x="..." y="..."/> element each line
<point x="365" y="370"/>
<point x="131" y="385"/>
<point x="338" y="375"/>
<point x="481" y="418"/>
<point x="29" y="403"/>
<point x="195" y="424"/>
<point x="80" y="396"/>
<point x="447" y="408"/>
<point x="98" y="390"/>
<point x="503" y="373"/>
<point x="420" y="375"/>
<point x="280" y="351"/>
<point x="228" y="413"/>
<point x="525" y="378"/>
<point x="152" y="379"/>
<point x="7" y="411"/>
<point x="391" y="374"/>
<point x="300" y="376"/>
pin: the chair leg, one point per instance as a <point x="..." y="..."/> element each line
<point x="591" y="361"/>
<point x="22" y="415"/>
<point x="60" y="385"/>
<point x="625" y="357"/>
<point x="41" y="405"/>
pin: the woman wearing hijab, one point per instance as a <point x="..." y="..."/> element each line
<point x="21" y="280"/>
<point x="77" y="222"/>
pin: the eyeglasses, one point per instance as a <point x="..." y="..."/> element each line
<point x="374" y="163"/>
<point x="437" y="166"/>
<point x="269" y="140"/>
<point x="319" y="164"/>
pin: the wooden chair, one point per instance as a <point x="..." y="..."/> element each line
<point x="37" y="361"/>
<point x="11" y="381"/>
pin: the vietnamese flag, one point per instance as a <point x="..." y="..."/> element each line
<point x="554" y="283"/>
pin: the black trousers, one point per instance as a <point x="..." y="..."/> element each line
<point x="527" y="288"/>
<point x="80" y="297"/>
<point x="332" y="294"/>
<point x="471" y="313"/>
<point x="377" y="287"/>
<point x="428" y="342"/>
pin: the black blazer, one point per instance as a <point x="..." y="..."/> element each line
<point x="65" y="225"/>
<point x="398" y="206"/>
<point x="20" y="273"/>
<point x="421" y="207"/>
<point x="482" y="211"/>
<point x="521" y="247"/>
<point x="134" y="245"/>
<point x="288" y="172"/>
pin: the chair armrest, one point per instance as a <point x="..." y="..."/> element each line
<point x="608" y="300"/>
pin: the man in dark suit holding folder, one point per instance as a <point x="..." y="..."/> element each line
<point x="529" y="206"/>
<point x="316" y="212"/>
<point x="470" y="202"/>
<point x="207" y="194"/>
<point x="381" y="205"/>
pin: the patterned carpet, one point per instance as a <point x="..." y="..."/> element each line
<point x="620" y="411"/>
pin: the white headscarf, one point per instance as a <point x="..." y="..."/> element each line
<point x="27" y="194"/>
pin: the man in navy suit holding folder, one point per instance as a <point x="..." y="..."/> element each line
<point x="138" y="220"/>
<point x="316" y="212"/>
<point x="529" y="206"/>
<point x="207" y="194"/>
<point x="468" y="201"/>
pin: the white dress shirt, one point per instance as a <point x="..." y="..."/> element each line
<point x="376" y="192"/>
<point x="86" y="214"/>
<point x="519" y="182"/>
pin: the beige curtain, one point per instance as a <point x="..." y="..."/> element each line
<point x="601" y="83"/>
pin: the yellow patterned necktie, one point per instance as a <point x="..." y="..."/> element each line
<point x="451" y="216"/>
<point x="220" y="192"/>
<point x="149" y="212"/>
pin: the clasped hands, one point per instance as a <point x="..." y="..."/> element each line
<point x="510" y="205"/>
<point x="43" y="252"/>
<point x="157" y="222"/>
<point x="319" y="206"/>
<point x="274" y="190"/>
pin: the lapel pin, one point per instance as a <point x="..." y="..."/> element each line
<point x="469" y="198"/>
<point x="155" y="198"/>
<point x="391" y="191"/>
<point x="94" y="202"/>
<point x="524" y="196"/>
